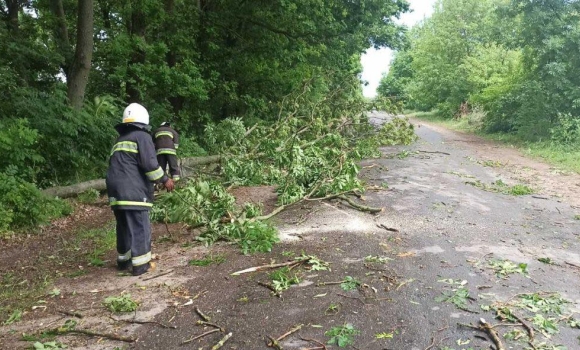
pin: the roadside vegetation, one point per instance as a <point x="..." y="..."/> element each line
<point x="69" y="69"/>
<point x="504" y="69"/>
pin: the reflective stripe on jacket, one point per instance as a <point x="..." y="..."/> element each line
<point x="133" y="169"/>
<point x="166" y="140"/>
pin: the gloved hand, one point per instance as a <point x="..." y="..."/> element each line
<point x="169" y="185"/>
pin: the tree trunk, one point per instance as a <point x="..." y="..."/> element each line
<point x="99" y="184"/>
<point x="78" y="76"/>
<point x="136" y="27"/>
<point x="171" y="57"/>
<point x="61" y="34"/>
<point x="13" y="7"/>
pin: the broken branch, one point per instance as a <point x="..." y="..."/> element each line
<point x="360" y="207"/>
<point x="271" y="266"/>
<point x="487" y="328"/>
<point x="202" y="315"/>
<point x="274" y="341"/>
<point x="70" y="313"/>
<point x="270" y="287"/>
<point x="159" y="275"/>
<point x="144" y="322"/>
<point x="96" y="334"/>
<point x="205" y="323"/>
<point x="322" y="346"/>
<point x="222" y="342"/>
<point x="200" y="336"/>
<point x="529" y="329"/>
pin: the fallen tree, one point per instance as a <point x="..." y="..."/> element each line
<point x="309" y="153"/>
<point x="99" y="184"/>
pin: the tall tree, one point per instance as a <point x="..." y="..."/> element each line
<point x="77" y="57"/>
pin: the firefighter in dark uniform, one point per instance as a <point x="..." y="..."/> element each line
<point x="166" y="144"/>
<point x="133" y="169"/>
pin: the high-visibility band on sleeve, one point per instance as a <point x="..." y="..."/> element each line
<point x="131" y="203"/>
<point x="176" y="177"/>
<point x="142" y="259"/>
<point x="166" y="151"/>
<point x="163" y="133"/>
<point x="155" y="174"/>
<point x="125" y="146"/>
<point x="124" y="257"/>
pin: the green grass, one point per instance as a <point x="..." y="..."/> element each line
<point x="208" y="260"/>
<point x="567" y="158"/>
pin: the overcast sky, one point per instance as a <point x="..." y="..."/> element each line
<point x="376" y="62"/>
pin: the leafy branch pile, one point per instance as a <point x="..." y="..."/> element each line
<point x="308" y="153"/>
<point x="542" y="311"/>
<point x="207" y="204"/>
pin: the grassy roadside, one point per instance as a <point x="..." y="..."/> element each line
<point x="566" y="158"/>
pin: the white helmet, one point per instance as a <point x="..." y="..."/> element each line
<point x="135" y="113"/>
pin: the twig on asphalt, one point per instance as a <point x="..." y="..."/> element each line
<point x="487" y="328"/>
<point x="274" y="341"/>
<point x="320" y="284"/>
<point x="360" y="207"/>
<point x="159" y="275"/>
<point x="204" y="323"/>
<point x="321" y="345"/>
<point x="387" y="228"/>
<point x="202" y="315"/>
<point x="435" y="152"/>
<point x="96" y="334"/>
<point x="200" y="336"/>
<point x="526" y="326"/>
<point x="271" y="266"/>
<point x="143" y="322"/>
<point x="222" y="342"/>
<point x="70" y="313"/>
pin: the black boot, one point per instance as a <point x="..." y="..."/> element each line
<point x="141" y="269"/>
<point x="123" y="265"/>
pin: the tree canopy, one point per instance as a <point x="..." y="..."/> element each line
<point x="516" y="60"/>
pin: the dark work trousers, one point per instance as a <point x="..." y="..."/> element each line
<point x="133" y="239"/>
<point x="171" y="159"/>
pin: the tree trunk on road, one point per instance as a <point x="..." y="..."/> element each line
<point x="99" y="184"/>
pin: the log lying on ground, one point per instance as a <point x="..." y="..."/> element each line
<point x="99" y="184"/>
<point x="73" y="190"/>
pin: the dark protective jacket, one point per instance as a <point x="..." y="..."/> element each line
<point x="133" y="169"/>
<point x="166" y="140"/>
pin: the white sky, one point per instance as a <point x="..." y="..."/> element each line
<point x="376" y="62"/>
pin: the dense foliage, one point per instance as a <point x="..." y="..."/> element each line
<point x="67" y="68"/>
<point x="515" y="61"/>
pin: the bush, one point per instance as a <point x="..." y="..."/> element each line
<point x="566" y="131"/>
<point x="23" y="205"/>
<point x="89" y="196"/>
